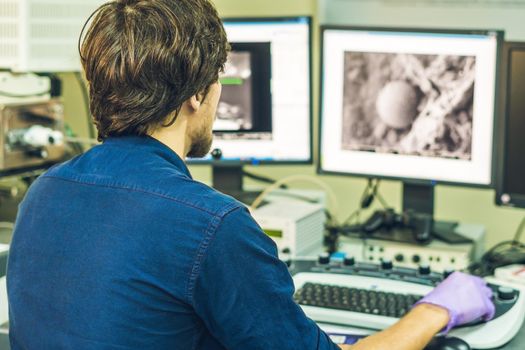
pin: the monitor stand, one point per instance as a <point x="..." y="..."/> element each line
<point x="228" y="179"/>
<point x="419" y="198"/>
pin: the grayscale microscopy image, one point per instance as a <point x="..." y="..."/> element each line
<point x="234" y="111"/>
<point x="409" y="104"/>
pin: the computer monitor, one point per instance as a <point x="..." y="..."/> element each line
<point x="409" y="104"/>
<point x="264" y="114"/>
<point x="511" y="145"/>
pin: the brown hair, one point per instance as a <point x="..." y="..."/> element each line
<point x="144" y="58"/>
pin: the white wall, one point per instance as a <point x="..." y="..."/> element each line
<point x="508" y="15"/>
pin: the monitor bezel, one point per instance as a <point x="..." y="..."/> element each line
<point x="256" y="161"/>
<point x="499" y="38"/>
<point x="505" y="71"/>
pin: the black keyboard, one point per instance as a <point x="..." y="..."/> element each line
<point x="356" y="300"/>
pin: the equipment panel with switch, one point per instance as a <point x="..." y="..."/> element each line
<point x="437" y="255"/>
<point x="296" y="227"/>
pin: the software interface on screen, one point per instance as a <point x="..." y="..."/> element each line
<point x="245" y="106"/>
<point x="514" y="166"/>
<point x="264" y="110"/>
<point x="409" y="105"/>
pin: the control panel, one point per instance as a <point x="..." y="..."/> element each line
<point x="440" y="256"/>
<point x="343" y="291"/>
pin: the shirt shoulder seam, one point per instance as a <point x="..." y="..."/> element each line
<point x="210" y="234"/>
<point x="219" y="214"/>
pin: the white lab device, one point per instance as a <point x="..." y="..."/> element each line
<point x="439" y="256"/>
<point x="42" y="35"/>
<point x="296" y="227"/>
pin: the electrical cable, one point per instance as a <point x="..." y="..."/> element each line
<point x="502" y="254"/>
<point x="85" y="97"/>
<point x="261" y="178"/>
<point x="370" y="192"/>
<point x="352" y="216"/>
<point x="296" y="178"/>
<point x="519" y="231"/>
<point x="380" y="198"/>
<point x="268" y="180"/>
<point x="368" y="195"/>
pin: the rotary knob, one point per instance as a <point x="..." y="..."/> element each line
<point x="216" y="154"/>
<point x="349" y="261"/>
<point x="324" y="259"/>
<point x="387" y="264"/>
<point x="506" y="293"/>
<point x="399" y="257"/>
<point x="424" y="269"/>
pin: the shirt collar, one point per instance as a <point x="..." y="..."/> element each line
<point x="151" y="144"/>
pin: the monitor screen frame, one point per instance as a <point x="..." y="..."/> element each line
<point x="500" y="39"/>
<point x="518" y="200"/>
<point x="255" y="161"/>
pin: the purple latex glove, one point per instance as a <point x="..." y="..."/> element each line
<point x="467" y="298"/>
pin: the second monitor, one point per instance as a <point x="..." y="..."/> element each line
<point x="264" y="114"/>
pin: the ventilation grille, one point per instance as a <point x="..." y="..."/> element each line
<point x="9" y="9"/>
<point x="310" y="232"/>
<point x="8" y="30"/>
<point x="50" y="30"/>
<point x="8" y="51"/>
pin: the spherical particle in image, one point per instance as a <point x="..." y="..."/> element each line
<point x="397" y="104"/>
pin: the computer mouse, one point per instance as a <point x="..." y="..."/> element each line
<point x="447" y="343"/>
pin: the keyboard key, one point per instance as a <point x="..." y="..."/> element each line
<point x="355" y="300"/>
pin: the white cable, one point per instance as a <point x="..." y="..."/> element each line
<point x="295" y="178"/>
<point x="83" y="140"/>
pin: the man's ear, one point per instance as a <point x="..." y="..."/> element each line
<point x="195" y="102"/>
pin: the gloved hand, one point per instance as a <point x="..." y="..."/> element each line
<point x="467" y="298"/>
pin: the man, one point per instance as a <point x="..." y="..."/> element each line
<point x="120" y="249"/>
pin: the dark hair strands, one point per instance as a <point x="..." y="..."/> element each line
<point x="144" y="58"/>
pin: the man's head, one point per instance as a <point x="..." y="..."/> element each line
<point x="145" y="59"/>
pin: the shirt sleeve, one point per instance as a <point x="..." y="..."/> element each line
<point x="244" y="293"/>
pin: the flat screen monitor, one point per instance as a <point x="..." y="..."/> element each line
<point x="264" y="113"/>
<point x="409" y="104"/>
<point x="511" y="164"/>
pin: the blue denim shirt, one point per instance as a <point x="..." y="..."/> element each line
<point x="120" y="248"/>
